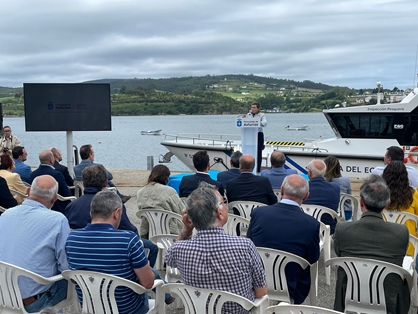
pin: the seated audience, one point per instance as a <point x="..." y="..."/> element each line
<point x="19" y="156"/>
<point x="13" y="179"/>
<point x="373" y="238"/>
<point x="233" y="171"/>
<point x="249" y="187"/>
<point x="156" y="194"/>
<point x="278" y="172"/>
<point x="33" y="237"/>
<point x="402" y="196"/>
<point x="283" y="226"/>
<point x="333" y="174"/>
<point x="101" y="247"/>
<point x="202" y="164"/>
<point x="321" y="192"/>
<point x="395" y="153"/>
<point x="87" y="159"/>
<point x="213" y="259"/>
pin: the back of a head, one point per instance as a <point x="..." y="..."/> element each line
<point x="333" y="168"/>
<point x="235" y="158"/>
<point x="17" y="151"/>
<point x="44" y="187"/>
<point x="85" y="151"/>
<point x="201" y="160"/>
<point x="375" y="195"/>
<point x="317" y="168"/>
<point x="54" y="151"/>
<point x="6" y="162"/>
<point x="201" y="206"/>
<point x="103" y="204"/>
<point x="395" y="153"/>
<point x="246" y="163"/>
<point x="94" y="176"/>
<point x="277" y="159"/>
<point x="159" y="174"/>
<point x="295" y="187"/>
<point x="45" y="157"/>
<point x="397" y="179"/>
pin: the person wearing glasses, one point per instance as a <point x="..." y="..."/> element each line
<point x="8" y="141"/>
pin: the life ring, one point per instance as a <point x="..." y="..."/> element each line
<point x="410" y="157"/>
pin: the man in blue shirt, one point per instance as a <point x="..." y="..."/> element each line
<point x="33" y="237"/>
<point x="19" y="156"/>
<point x="101" y="247"/>
<point x="277" y="173"/>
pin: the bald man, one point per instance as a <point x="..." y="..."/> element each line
<point x="249" y="187"/>
<point x="283" y="226"/>
<point x="322" y="192"/>
<point x="47" y="160"/>
<point x="277" y="173"/>
<point x="33" y="237"/>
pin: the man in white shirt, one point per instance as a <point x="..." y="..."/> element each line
<point x="396" y="153"/>
<point x="255" y="112"/>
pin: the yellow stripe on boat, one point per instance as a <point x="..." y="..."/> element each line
<point x="285" y="143"/>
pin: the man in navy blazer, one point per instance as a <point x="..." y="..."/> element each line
<point x="249" y="187"/>
<point x="284" y="226"/>
<point x="61" y="168"/>
<point x="201" y="163"/>
<point x="322" y="192"/>
<point x="277" y="173"/>
<point x="233" y="172"/>
<point x="46" y="159"/>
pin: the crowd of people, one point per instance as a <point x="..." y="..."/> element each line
<point x="45" y="235"/>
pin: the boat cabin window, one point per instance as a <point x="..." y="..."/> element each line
<point x="410" y="130"/>
<point x="361" y="125"/>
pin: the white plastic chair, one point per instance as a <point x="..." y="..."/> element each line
<point x="275" y="262"/>
<point x="66" y="198"/>
<point x="159" y="223"/>
<point x="244" y="208"/>
<point x="409" y="263"/>
<point x="2" y="209"/>
<point x="164" y="241"/>
<point x="98" y="290"/>
<point x="399" y="217"/>
<point x="355" y="205"/>
<point x="10" y="297"/>
<point x="299" y="309"/>
<point x="316" y="211"/>
<point x="278" y="194"/>
<point x="18" y="193"/>
<point x="79" y="188"/>
<point x="365" y="293"/>
<point x="233" y="221"/>
<point x="210" y="301"/>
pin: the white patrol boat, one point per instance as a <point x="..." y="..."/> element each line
<point x="362" y="135"/>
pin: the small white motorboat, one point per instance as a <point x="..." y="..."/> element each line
<point x="297" y="128"/>
<point x="151" y="132"/>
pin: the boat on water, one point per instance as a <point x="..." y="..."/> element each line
<point x="362" y="135"/>
<point x="297" y="128"/>
<point x="151" y="132"/>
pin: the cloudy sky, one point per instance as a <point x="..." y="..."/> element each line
<point x="352" y="43"/>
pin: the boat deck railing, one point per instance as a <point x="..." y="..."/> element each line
<point x="209" y="138"/>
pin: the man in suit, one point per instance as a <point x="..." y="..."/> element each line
<point x="233" y="172"/>
<point x="46" y="159"/>
<point x="371" y="237"/>
<point x="322" y="192"/>
<point x="277" y="173"/>
<point x="283" y="226"/>
<point x="61" y="168"/>
<point x="202" y="164"/>
<point x="19" y="156"/>
<point x="249" y="187"/>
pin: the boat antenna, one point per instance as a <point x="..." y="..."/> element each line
<point x="415" y="70"/>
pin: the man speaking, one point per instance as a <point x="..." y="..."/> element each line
<point x="255" y="112"/>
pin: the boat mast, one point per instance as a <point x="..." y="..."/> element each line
<point x="379" y="84"/>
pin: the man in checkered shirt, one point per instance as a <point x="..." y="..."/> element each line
<point x="213" y="259"/>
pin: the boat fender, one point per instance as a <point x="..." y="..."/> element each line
<point x="410" y="157"/>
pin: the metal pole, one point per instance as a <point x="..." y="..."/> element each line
<point x="150" y="162"/>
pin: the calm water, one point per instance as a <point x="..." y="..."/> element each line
<point x="125" y="147"/>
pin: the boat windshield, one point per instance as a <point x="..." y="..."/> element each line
<point x="403" y="127"/>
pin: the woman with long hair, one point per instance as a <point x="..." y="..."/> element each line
<point x="7" y="165"/>
<point x="333" y="174"/>
<point x="402" y="196"/>
<point x="156" y="194"/>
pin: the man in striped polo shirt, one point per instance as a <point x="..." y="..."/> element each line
<point x="101" y="247"/>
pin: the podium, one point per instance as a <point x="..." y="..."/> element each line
<point x="249" y="135"/>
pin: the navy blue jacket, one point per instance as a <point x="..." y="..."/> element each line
<point x="6" y="198"/>
<point x="190" y="183"/>
<point x="78" y="212"/>
<point x="287" y="228"/>
<point x="324" y="193"/>
<point x="225" y="176"/>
